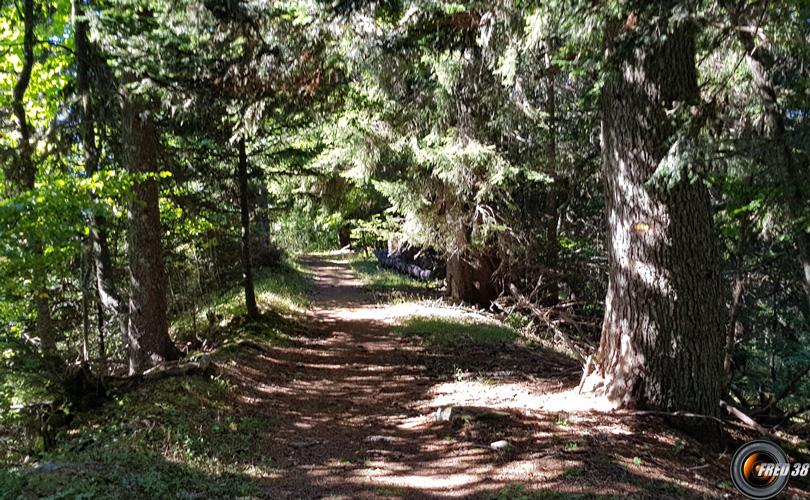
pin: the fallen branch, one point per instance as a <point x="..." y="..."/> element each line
<point x="521" y="302"/>
<point x="742" y="417"/>
<point x="568" y="343"/>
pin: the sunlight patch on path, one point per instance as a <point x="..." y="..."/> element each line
<point x="515" y="397"/>
<point x="390" y="314"/>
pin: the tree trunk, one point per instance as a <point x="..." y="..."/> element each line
<point x="107" y="292"/>
<point x="662" y="336"/>
<point x="780" y="156"/>
<point x="148" y="336"/>
<point x="244" y="212"/>
<point x="102" y="348"/>
<point x="261" y="208"/>
<point x="22" y="177"/>
<point x="551" y="245"/>
<point x="734" y="326"/>
<point x="470" y="279"/>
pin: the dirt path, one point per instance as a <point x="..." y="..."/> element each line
<point x="357" y="413"/>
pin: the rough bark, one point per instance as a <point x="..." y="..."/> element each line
<point x="22" y="177"/>
<point x="469" y="279"/>
<point x="662" y="335"/>
<point x="102" y="261"/>
<point x="148" y="336"/>
<point x="244" y="212"/>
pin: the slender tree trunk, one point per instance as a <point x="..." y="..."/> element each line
<point x="22" y="177"/>
<point x="102" y="348"/>
<point x="553" y="195"/>
<point x="148" y="336"/>
<point x="85" y="259"/>
<point x="262" y="221"/>
<point x="107" y="291"/>
<point x="662" y="336"/>
<point x="244" y="212"/>
<point x="734" y="326"/>
<point x="792" y="174"/>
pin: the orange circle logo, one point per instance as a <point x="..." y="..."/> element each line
<point x="760" y="470"/>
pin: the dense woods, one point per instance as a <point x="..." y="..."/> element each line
<point x="624" y="182"/>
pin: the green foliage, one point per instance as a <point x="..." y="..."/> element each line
<point x="307" y="229"/>
<point x="372" y="233"/>
<point x="467" y="128"/>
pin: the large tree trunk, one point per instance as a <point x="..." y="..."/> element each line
<point x="22" y="178"/>
<point x="786" y="165"/>
<point x="662" y="336"/>
<point x="244" y="212"/>
<point x="469" y="279"/>
<point x="107" y="292"/>
<point x="148" y="335"/>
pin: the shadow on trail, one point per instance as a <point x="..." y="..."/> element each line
<point x="352" y="417"/>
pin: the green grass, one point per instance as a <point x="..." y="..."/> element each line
<point x="381" y="280"/>
<point x="145" y="445"/>
<point x="448" y="331"/>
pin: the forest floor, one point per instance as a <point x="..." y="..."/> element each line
<point x="371" y="398"/>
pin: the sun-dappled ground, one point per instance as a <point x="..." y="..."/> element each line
<point x="357" y="398"/>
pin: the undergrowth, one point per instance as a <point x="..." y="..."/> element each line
<point x="179" y="437"/>
<point x="284" y="290"/>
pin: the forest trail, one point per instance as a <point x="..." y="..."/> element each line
<point x="349" y="403"/>
<point x="357" y="413"/>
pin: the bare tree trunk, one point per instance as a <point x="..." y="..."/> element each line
<point x="469" y="279"/>
<point x="262" y="220"/>
<point x="22" y="177"/>
<point x="148" y="336"/>
<point x="662" y="336"/>
<point x="107" y="291"/>
<point x="737" y="288"/>
<point x="102" y="348"/>
<point x="244" y="212"/>
<point x="553" y="194"/>
<point x="85" y="282"/>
